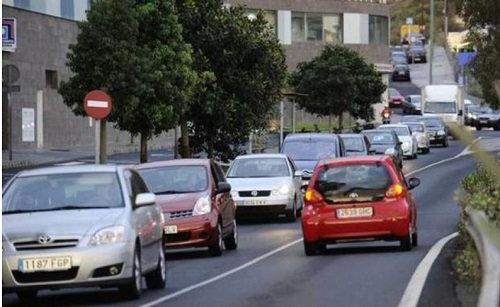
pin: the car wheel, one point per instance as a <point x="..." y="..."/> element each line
<point x="497" y="126"/>
<point x="478" y="128"/>
<point x="414" y="238"/>
<point x="158" y="278"/>
<point x="26" y="295"/>
<point x="291" y="215"/>
<point x="215" y="249"/>
<point x="231" y="241"/>
<point x="311" y="248"/>
<point x="132" y="289"/>
<point x="405" y="242"/>
<point x="445" y="143"/>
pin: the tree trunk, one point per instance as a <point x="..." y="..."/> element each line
<point x="103" y="150"/>
<point x="185" y="150"/>
<point x="144" y="147"/>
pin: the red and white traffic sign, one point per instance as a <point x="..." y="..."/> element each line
<point x="97" y="104"/>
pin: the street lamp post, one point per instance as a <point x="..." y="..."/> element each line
<point x="431" y="40"/>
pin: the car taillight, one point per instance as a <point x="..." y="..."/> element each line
<point x="312" y="197"/>
<point x="395" y="191"/>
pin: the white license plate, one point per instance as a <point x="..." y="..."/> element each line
<point x="401" y="72"/>
<point x="170" y="229"/>
<point x="254" y="202"/>
<point x="354" y="212"/>
<point x="483" y="121"/>
<point x="431" y="138"/>
<point x="44" y="264"/>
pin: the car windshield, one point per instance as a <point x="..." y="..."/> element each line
<point x="440" y="107"/>
<point x="400" y="131"/>
<point x="353" y="183"/>
<point x="258" y="167"/>
<point x="431" y="122"/>
<point x="380" y="138"/>
<point x="175" y="179"/>
<point x="310" y="150"/>
<point x="416" y="127"/>
<point x="415" y="99"/>
<point x="72" y="191"/>
<point x="354" y="144"/>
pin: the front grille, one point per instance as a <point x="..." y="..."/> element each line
<point x="26" y="278"/>
<point x="35" y="245"/>
<point x="178" y="237"/>
<point x="178" y="214"/>
<point x="259" y="193"/>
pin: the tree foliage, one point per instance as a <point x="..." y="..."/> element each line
<point x="242" y="71"/>
<point x="134" y="50"/>
<point x="337" y="81"/>
<point x="483" y="21"/>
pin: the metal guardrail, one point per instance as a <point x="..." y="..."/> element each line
<point x="486" y="236"/>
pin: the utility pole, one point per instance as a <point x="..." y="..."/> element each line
<point x="431" y="40"/>
<point x="445" y="12"/>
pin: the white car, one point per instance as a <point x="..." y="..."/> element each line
<point x="409" y="146"/>
<point x="265" y="184"/>
<point x="419" y="130"/>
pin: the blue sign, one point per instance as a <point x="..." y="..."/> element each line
<point x="464" y="58"/>
<point x="9" y="39"/>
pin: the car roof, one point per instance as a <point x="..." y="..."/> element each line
<point x="68" y="169"/>
<point x="174" y="162"/>
<point x="261" y="155"/>
<point x="393" y="126"/>
<point x="351" y="135"/>
<point x="377" y="131"/>
<point x="311" y="136"/>
<point x="356" y="159"/>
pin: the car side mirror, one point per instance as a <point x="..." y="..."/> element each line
<point x="145" y="199"/>
<point x="297" y="174"/>
<point x="303" y="188"/>
<point x="413" y="183"/>
<point x="223" y="187"/>
<point x="400" y="143"/>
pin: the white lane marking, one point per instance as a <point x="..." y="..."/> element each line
<point x="414" y="288"/>
<point x="213" y="279"/>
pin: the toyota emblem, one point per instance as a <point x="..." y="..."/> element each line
<point x="254" y="193"/>
<point x="44" y="239"/>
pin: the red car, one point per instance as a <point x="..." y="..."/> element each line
<point x="358" y="198"/>
<point x="196" y="202"/>
<point x="395" y="97"/>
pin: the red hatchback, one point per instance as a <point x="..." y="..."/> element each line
<point x="196" y="202"/>
<point x="358" y="198"/>
<point x="395" y="97"/>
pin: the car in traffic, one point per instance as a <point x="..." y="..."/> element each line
<point x="358" y="199"/>
<point x="196" y="202"/>
<point x="405" y="135"/>
<point x="356" y="144"/>
<point x="421" y="135"/>
<point x="409" y="118"/>
<point x="416" y="53"/>
<point x="385" y="142"/>
<point x="470" y="114"/>
<point x="395" y="97"/>
<point x="266" y="184"/>
<point x="79" y="226"/>
<point x="411" y="104"/>
<point x="488" y="119"/>
<point x="437" y="130"/>
<point x="306" y="149"/>
<point x="401" y="71"/>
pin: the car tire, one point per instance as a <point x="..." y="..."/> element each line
<point x="478" y="128"/>
<point x="405" y="242"/>
<point x="157" y="279"/>
<point x="414" y="238"/>
<point x="497" y="126"/>
<point x="291" y="215"/>
<point x="26" y="295"/>
<point x="445" y="143"/>
<point x="132" y="289"/>
<point x="215" y="249"/>
<point x="311" y="248"/>
<point x="231" y="241"/>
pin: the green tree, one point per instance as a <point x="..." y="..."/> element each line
<point x="337" y="81"/>
<point x="481" y="18"/>
<point x="242" y="71"/>
<point x="133" y="50"/>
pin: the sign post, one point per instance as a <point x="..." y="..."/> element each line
<point x="98" y="104"/>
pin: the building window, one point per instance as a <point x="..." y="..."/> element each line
<point x="298" y="27"/>
<point x="68" y="9"/>
<point x="332" y="29"/>
<point x="269" y="16"/>
<point x="24" y="4"/>
<point x="51" y="79"/>
<point x="314" y="25"/>
<point x="379" y="30"/>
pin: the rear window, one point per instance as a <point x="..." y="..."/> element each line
<point x="310" y="150"/>
<point x="353" y="183"/>
<point x="354" y="144"/>
<point x="175" y="179"/>
<point x="381" y="138"/>
<point x="400" y="131"/>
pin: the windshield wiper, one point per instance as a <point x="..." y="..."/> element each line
<point x="171" y="192"/>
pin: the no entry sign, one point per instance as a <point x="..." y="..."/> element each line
<point x="97" y="104"/>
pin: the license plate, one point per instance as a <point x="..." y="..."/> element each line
<point x="401" y="72"/>
<point x="170" y="229"/>
<point x="254" y="202"/>
<point x="354" y="212"/>
<point x="483" y="121"/>
<point x="44" y="264"/>
<point x="431" y="138"/>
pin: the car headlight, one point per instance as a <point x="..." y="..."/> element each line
<point x="390" y="151"/>
<point x="108" y="235"/>
<point x="234" y="193"/>
<point x="441" y="132"/>
<point x="406" y="145"/>
<point x="202" y="206"/>
<point x="283" y="190"/>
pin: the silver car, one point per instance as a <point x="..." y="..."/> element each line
<point x="74" y="226"/>
<point x="265" y="184"/>
<point x="419" y="130"/>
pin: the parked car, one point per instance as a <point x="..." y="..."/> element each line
<point x="437" y="129"/>
<point x="86" y="225"/>
<point x="488" y="119"/>
<point x="421" y="135"/>
<point x="395" y="97"/>
<point x="196" y="202"/>
<point x="266" y="184"/>
<point x="359" y="198"/>
<point x="356" y="144"/>
<point x="404" y="133"/>
<point x="411" y="104"/>
<point x="385" y="142"/>
<point x="401" y="71"/>
<point x="416" y="53"/>
<point x="306" y="149"/>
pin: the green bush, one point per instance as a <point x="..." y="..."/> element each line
<point x="480" y="191"/>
